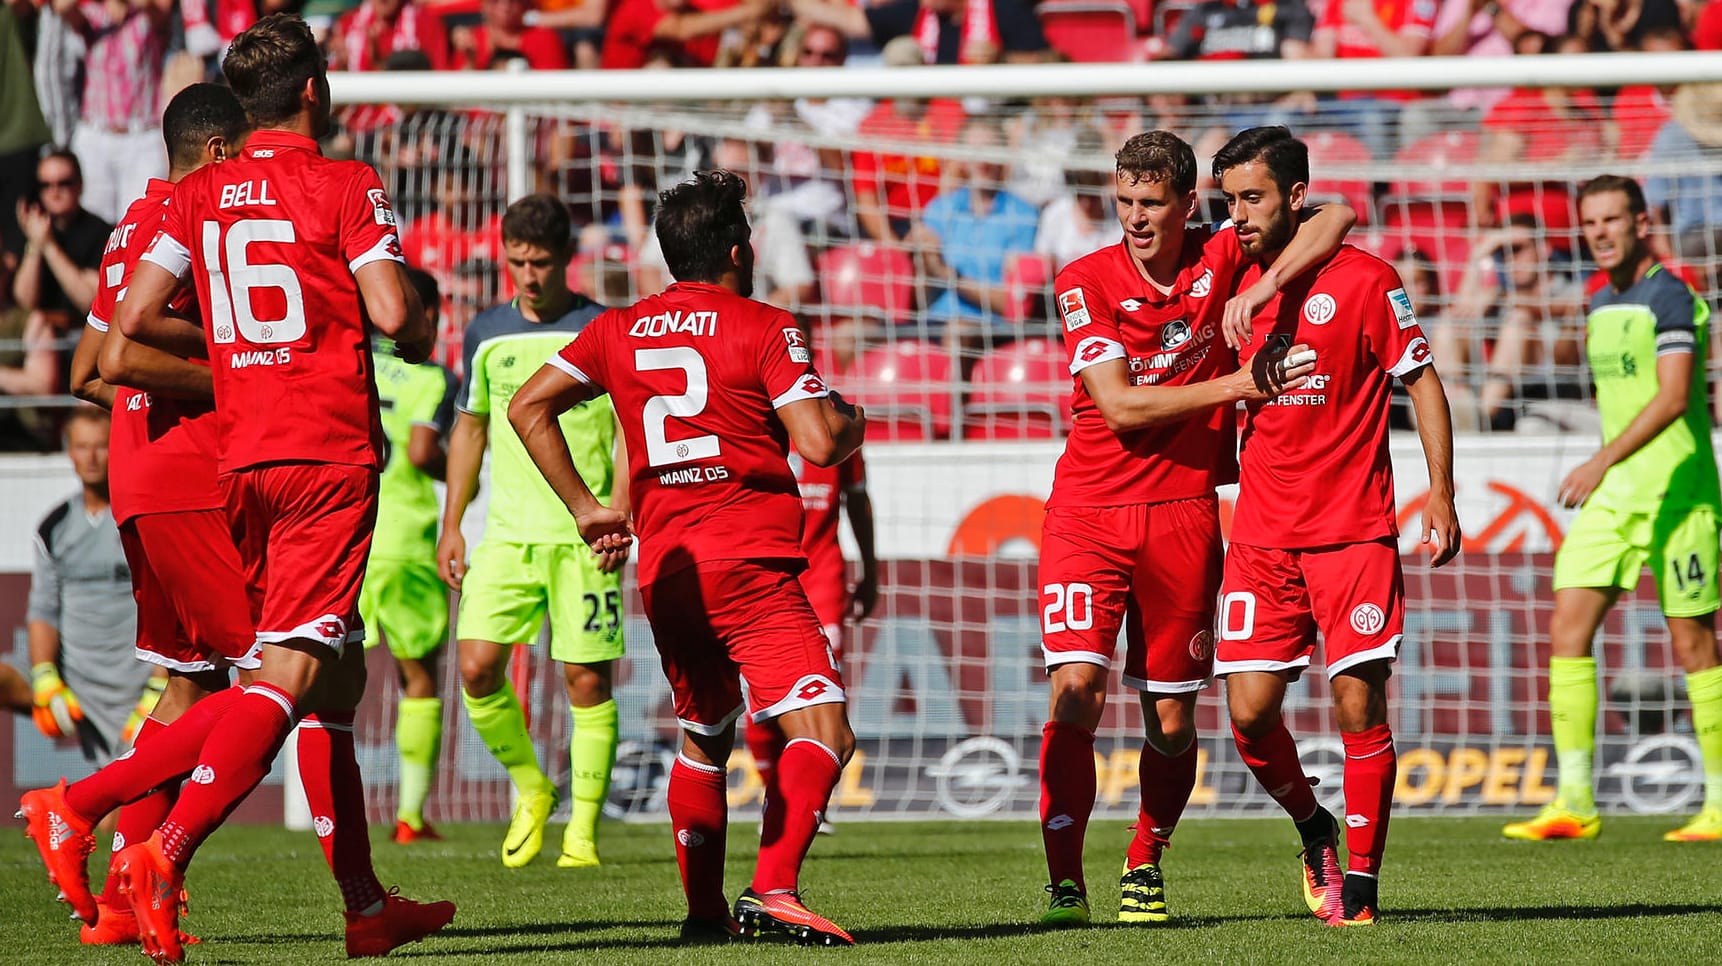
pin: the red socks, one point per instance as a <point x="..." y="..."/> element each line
<point x="1067" y="789"/>
<point x="170" y="756"/>
<point x="235" y="759"/>
<point x="336" y="793"/>
<point x="138" y="821"/>
<point x="698" y="800"/>
<point x="765" y="743"/>
<point x="1371" y="766"/>
<point x="1166" y="786"/>
<point x="807" y="771"/>
<point x="1273" y="760"/>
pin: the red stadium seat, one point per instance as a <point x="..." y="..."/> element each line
<point x="1091" y="31"/>
<point x="1335" y="147"/>
<point x="1018" y="391"/>
<point x="868" y="280"/>
<point x="1441" y="150"/>
<point x="908" y="389"/>
<point x="1028" y="279"/>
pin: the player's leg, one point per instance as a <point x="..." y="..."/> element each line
<point x="707" y="695"/>
<point x="1595" y="561"/>
<point x="1686" y="570"/>
<point x="771" y="632"/>
<point x="586" y="635"/>
<point x="1357" y="594"/>
<point x="1086" y="562"/>
<point x="1170" y="661"/>
<point x="1266" y="638"/>
<point x="503" y="600"/>
<point x="405" y="604"/>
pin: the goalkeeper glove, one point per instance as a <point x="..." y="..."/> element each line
<point x="152" y="693"/>
<point x="57" y="710"/>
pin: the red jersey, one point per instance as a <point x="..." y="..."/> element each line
<point x="275" y="237"/>
<point x="1316" y="471"/>
<point x="822" y="490"/>
<point x="696" y="374"/>
<point x="1111" y="312"/>
<point x="162" y="451"/>
<point x="1414" y="18"/>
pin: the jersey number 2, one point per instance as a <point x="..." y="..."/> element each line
<point x="230" y="288"/>
<point x="660" y="449"/>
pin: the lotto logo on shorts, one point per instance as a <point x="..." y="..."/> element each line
<point x="689" y="838"/>
<point x="1202" y="645"/>
<point x="1074" y="308"/>
<point x="323" y="825"/>
<point x="1368" y="619"/>
<point x="812" y="689"/>
<point x="332" y="629"/>
<point x="204" y="775"/>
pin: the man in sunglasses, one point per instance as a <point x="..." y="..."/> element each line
<point x="62" y="243"/>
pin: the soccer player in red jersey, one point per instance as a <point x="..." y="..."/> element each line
<point x="826" y="492"/>
<point x="1132" y="531"/>
<point x="1314" y="541"/>
<point x="711" y="387"/>
<point x="289" y="254"/>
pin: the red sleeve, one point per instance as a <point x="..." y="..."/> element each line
<point x="585" y="357"/>
<point x="543" y="49"/>
<point x="433" y="38"/>
<point x="367" y="221"/>
<point x="628" y="34"/>
<point x="1091" y="334"/>
<point x="1390" y="326"/>
<point x="786" y="372"/>
<point x="110" y="278"/>
<point x="1225" y="255"/>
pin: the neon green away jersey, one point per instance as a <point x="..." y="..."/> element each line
<point x="407" y="511"/>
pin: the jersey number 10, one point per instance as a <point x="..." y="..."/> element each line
<point x="230" y="290"/>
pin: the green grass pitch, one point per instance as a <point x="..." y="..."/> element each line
<point x="950" y="893"/>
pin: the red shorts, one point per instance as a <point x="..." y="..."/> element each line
<point x="718" y="623"/>
<point x="304" y="533"/>
<point x="193" y="614"/>
<point x="828" y="593"/>
<point x="1152" y="569"/>
<point x="1276" y="600"/>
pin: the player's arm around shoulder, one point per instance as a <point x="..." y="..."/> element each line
<point x="1320" y="233"/>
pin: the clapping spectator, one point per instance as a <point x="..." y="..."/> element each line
<point x="945" y="29"/>
<point x="1620" y="24"/>
<point x="63" y="243"/>
<point x="963" y="237"/>
<point x="1513" y="325"/>
<point x="688" y="37"/>
<point x="502" y="27"/>
<point x="365" y="37"/>
<point x="118" y="137"/>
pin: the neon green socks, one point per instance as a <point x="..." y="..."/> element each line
<point x="418" y="735"/>
<point x="1572" y="715"/>
<point x="1704" y="690"/>
<point x="591" y="753"/>
<point x="499" y="720"/>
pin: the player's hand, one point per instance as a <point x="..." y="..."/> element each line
<point x="1268" y="375"/>
<point x="413" y="352"/>
<point x="57" y="711"/>
<point x="606" y="531"/>
<point x="864" y="597"/>
<point x="147" y="701"/>
<point x="451" y="558"/>
<point x="1241" y="310"/>
<point x="1583" y="481"/>
<point x="844" y="407"/>
<point x="1441" y="529"/>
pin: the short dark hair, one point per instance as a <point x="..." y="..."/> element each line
<point x="424" y="283"/>
<point x="63" y="154"/>
<point x="196" y="114"/>
<point x="699" y="221"/>
<point x="1286" y="158"/>
<point x="538" y="219"/>
<point x="268" y="65"/>
<point x="1158" y="156"/>
<point x="1604" y="183"/>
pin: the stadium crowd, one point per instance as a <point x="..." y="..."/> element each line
<point x="926" y="268"/>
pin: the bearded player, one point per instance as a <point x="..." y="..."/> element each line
<point x="1132" y="531"/>
<point x="1314" y="541"/>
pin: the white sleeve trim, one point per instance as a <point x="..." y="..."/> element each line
<point x="385" y="249"/>
<point x="1408" y="361"/>
<point x="1676" y="342"/>
<point x="809" y="386"/>
<point x="100" y="325"/>
<point x="168" y="253"/>
<point x="558" y="362"/>
<point x="1109" y="350"/>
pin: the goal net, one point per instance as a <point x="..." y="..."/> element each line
<point x="918" y="239"/>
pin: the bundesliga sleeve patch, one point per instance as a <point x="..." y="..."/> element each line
<point x="1403" y="313"/>
<point x="798" y="351"/>
<point x="381" y="212"/>
<point x="1073" y="308"/>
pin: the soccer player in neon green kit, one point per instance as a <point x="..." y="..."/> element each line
<point x="403" y="601"/>
<point x="532" y="565"/>
<point x="1649" y="495"/>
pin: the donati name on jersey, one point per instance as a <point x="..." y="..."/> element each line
<point x="702" y="322"/>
